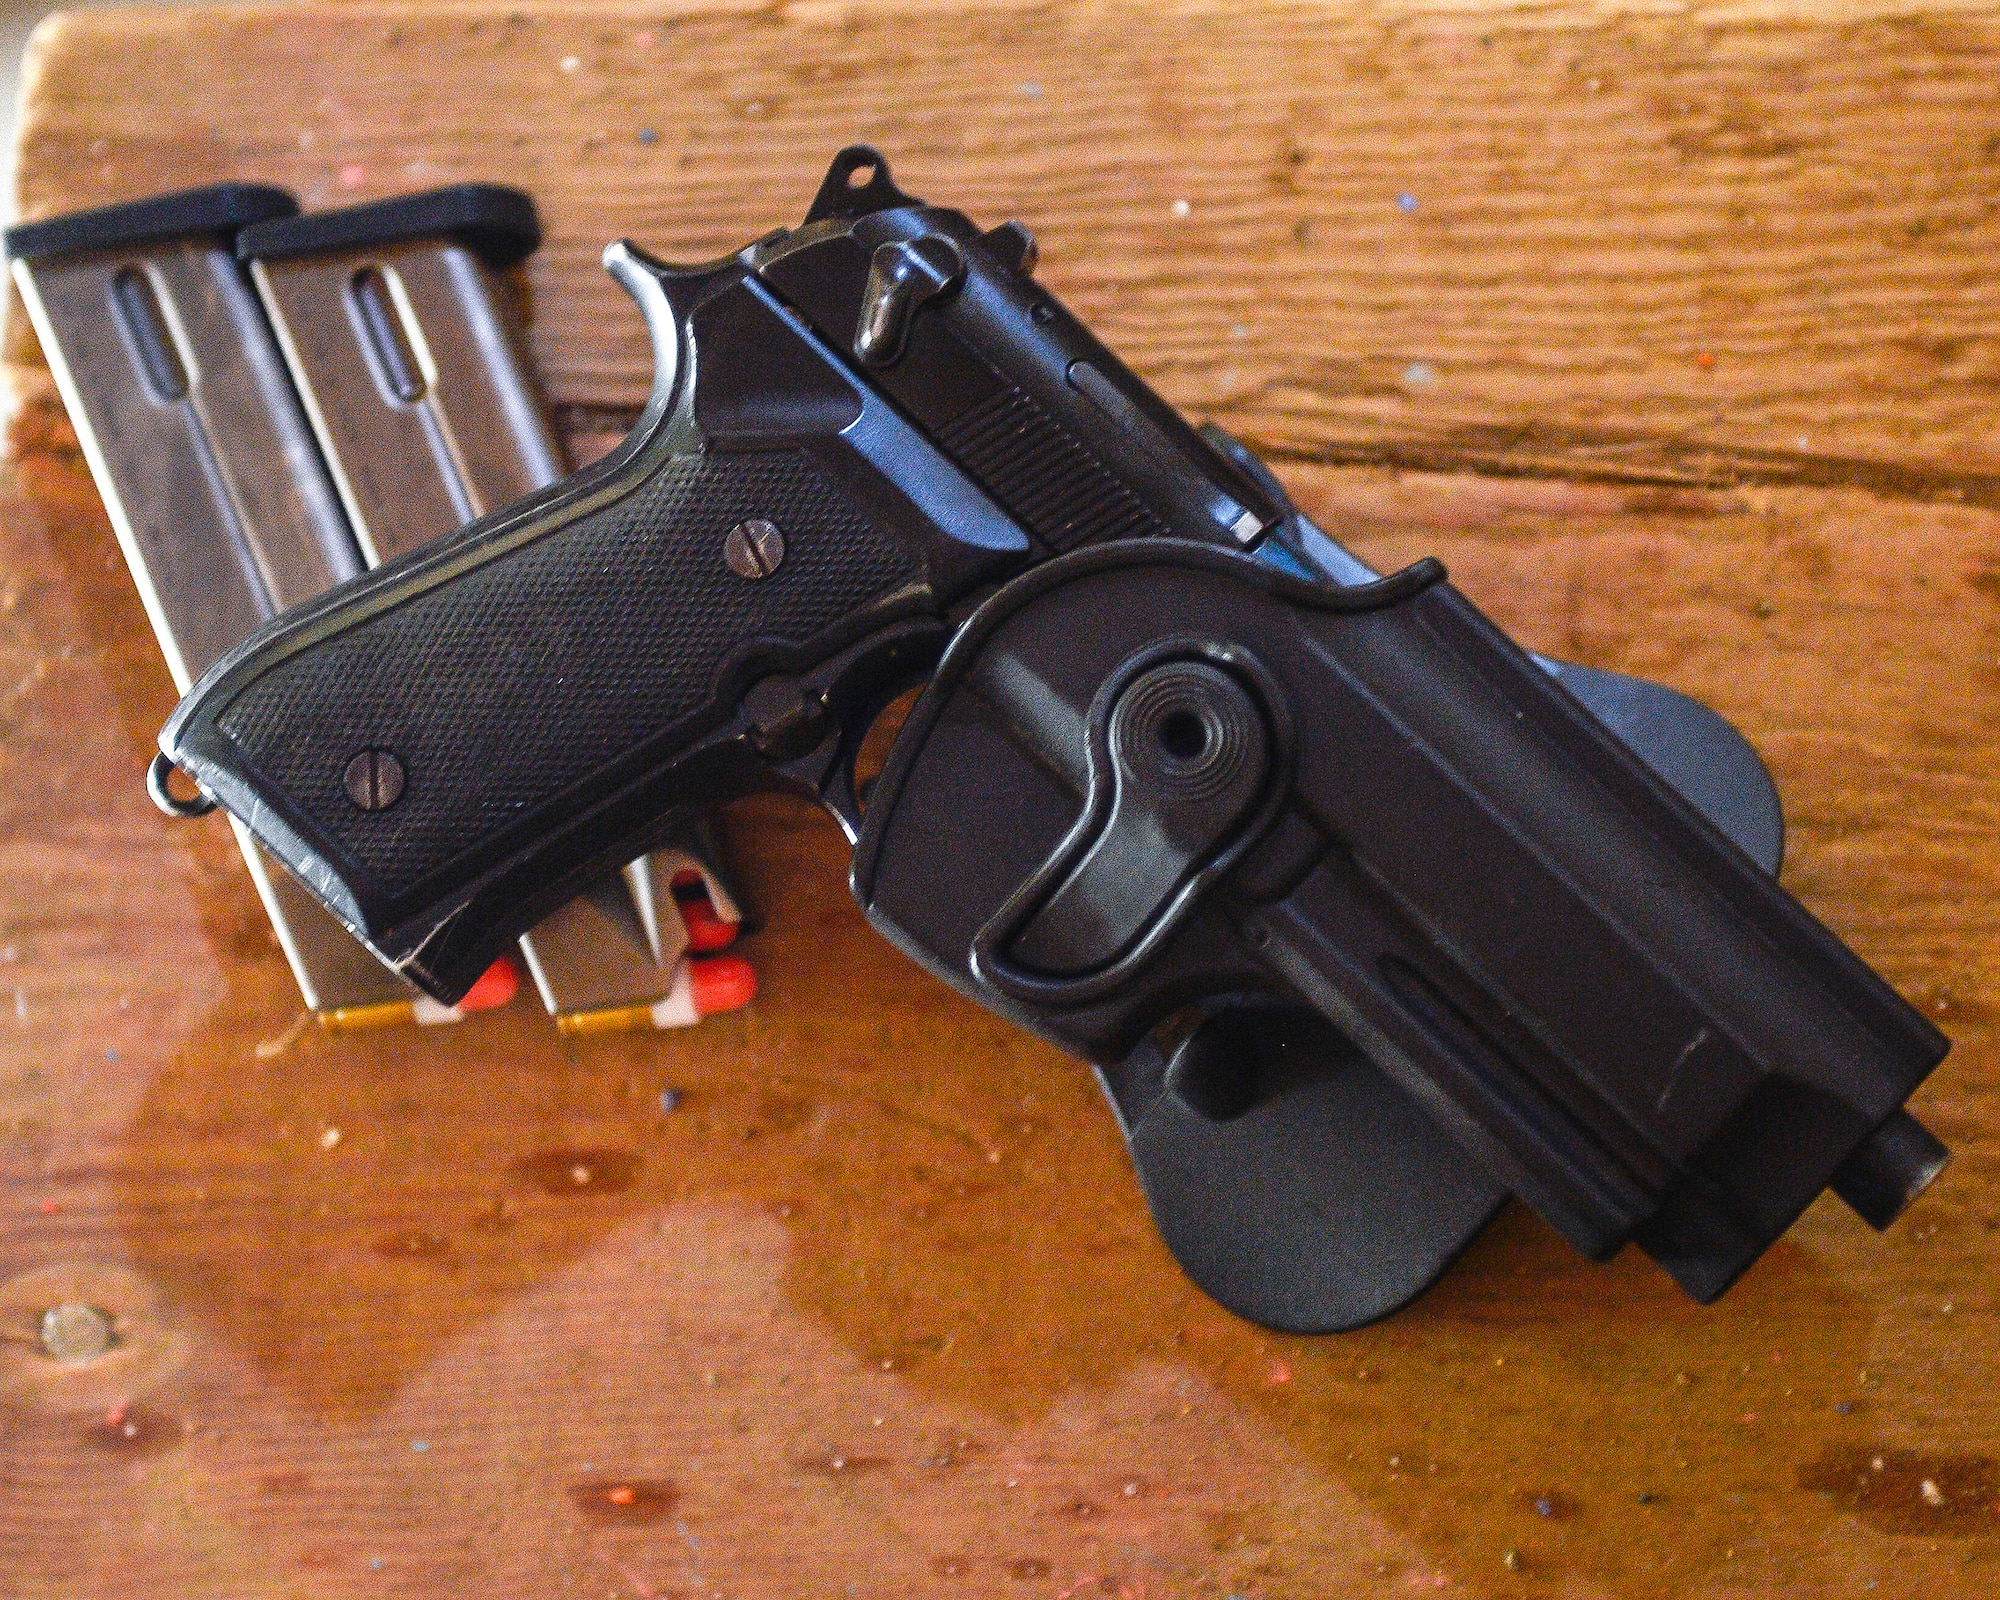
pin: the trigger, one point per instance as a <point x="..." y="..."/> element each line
<point x="840" y="788"/>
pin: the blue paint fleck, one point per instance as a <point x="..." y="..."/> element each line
<point x="420" y="1445"/>
<point x="374" y="1563"/>
<point x="649" y="136"/>
<point x="670" y="1101"/>
<point x="1406" y="202"/>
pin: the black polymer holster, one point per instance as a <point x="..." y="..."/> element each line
<point x="1366" y="924"/>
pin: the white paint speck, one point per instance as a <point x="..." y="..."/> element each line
<point x="569" y="63"/>
<point x="1182" y="208"/>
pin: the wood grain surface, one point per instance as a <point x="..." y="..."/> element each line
<point x="1677" y="336"/>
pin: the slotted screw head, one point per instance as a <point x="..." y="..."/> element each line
<point x="374" y="780"/>
<point x="754" y="549"/>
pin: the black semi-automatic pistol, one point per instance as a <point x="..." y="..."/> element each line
<point x="1366" y="918"/>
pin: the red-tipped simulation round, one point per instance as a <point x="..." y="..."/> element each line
<point x="707" y="927"/>
<point x="701" y="989"/>
<point x="706" y="930"/>
<point x="495" y="986"/>
<point x="721" y="983"/>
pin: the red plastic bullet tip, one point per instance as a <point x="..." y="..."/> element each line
<point x="721" y="983"/>
<point x="494" y="987"/>
<point x="705" y="929"/>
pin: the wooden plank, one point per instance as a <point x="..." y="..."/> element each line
<point x="878" y="1309"/>
<point x="827" y="1201"/>
<point x="1644" y="235"/>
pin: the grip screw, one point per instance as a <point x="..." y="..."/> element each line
<point x="754" y="549"/>
<point x="374" y="780"/>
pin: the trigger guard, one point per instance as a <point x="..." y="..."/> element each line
<point x="838" y="792"/>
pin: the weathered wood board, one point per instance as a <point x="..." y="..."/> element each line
<point x="1675" y="335"/>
